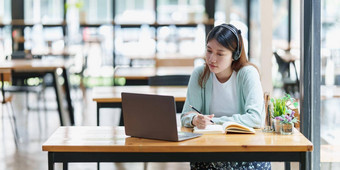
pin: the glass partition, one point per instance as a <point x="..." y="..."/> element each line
<point x="330" y="85"/>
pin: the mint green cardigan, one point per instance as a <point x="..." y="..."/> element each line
<point x="250" y="98"/>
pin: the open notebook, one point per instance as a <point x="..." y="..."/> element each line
<point x="227" y="127"/>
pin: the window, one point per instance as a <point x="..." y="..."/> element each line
<point x="181" y="41"/>
<point x="330" y="72"/>
<point x="135" y="12"/>
<point x="5" y="11"/>
<point x="280" y="24"/>
<point x="96" y="11"/>
<point x="180" y="11"/>
<point x="43" y="11"/>
<point x="234" y="12"/>
<point x="230" y="10"/>
<point x="134" y="44"/>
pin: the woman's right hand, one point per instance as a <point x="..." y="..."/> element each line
<point x="201" y="121"/>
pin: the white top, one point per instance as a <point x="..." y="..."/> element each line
<point x="224" y="101"/>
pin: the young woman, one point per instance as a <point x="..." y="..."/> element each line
<point x="226" y="88"/>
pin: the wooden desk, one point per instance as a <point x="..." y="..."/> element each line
<point x="140" y="75"/>
<point x="110" y="97"/>
<point x="29" y="67"/>
<point x="109" y="144"/>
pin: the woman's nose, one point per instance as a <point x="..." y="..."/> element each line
<point x="212" y="58"/>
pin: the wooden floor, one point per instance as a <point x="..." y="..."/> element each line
<point x="29" y="156"/>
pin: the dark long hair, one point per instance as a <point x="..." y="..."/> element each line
<point x="228" y="40"/>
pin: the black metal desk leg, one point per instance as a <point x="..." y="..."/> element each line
<point x="65" y="166"/>
<point x="50" y="161"/>
<point x="68" y="96"/>
<point x="55" y="85"/>
<point x="287" y="166"/>
<point x="303" y="161"/>
<point x="98" y="109"/>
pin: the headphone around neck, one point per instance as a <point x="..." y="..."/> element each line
<point x="235" y="31"/>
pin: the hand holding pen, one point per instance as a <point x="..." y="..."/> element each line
<point x="200" y="120"/>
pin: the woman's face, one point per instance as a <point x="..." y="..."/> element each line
<point x="218" y="58"/>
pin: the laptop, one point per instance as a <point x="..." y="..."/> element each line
<point x="152" y="116"/>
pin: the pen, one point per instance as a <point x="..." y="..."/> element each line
<point x="199" y="112"/>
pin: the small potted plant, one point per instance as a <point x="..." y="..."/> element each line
<point x="280" y="109"/>
<point x="287" y="122"/>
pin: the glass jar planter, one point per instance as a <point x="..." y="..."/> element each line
<point x="276" y="126"/>
<point x="287" y="128"/>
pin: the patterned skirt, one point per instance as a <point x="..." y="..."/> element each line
<point x="230" y="165"/>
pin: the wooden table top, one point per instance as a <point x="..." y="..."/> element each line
<point x="113" y="139"/>
<point x="34" y="64"/>
<point x="5" y="70"/>
<point x="143" y="73"/>
<point x="112" y="94"/>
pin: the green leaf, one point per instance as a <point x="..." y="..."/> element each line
<point x="296" y="104"/>
<point x="79" y="5"/>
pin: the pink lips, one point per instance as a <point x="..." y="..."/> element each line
<point x="212" y="66"/>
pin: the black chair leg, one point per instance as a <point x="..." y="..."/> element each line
<point x="27" y="99"/>
<point x="12" y="119"/>
<point x="287" y="165"/>
<point x="39" y="111"/>
<point x="2" y="117"/>
<point x="58" y="98"/>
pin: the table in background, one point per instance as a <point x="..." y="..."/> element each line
<point x="140" y="75"/>
<point x="29" y="67"/>
<point x="109" y="144"/>
<point x="65" y="52"/>
<point x="110" y="97"/>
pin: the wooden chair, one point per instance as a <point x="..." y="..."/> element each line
<point x="7" y="100"/>
<point x="290" y="86"/>
<point x="18" y="80"/>
<point x="39" y="90"/>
